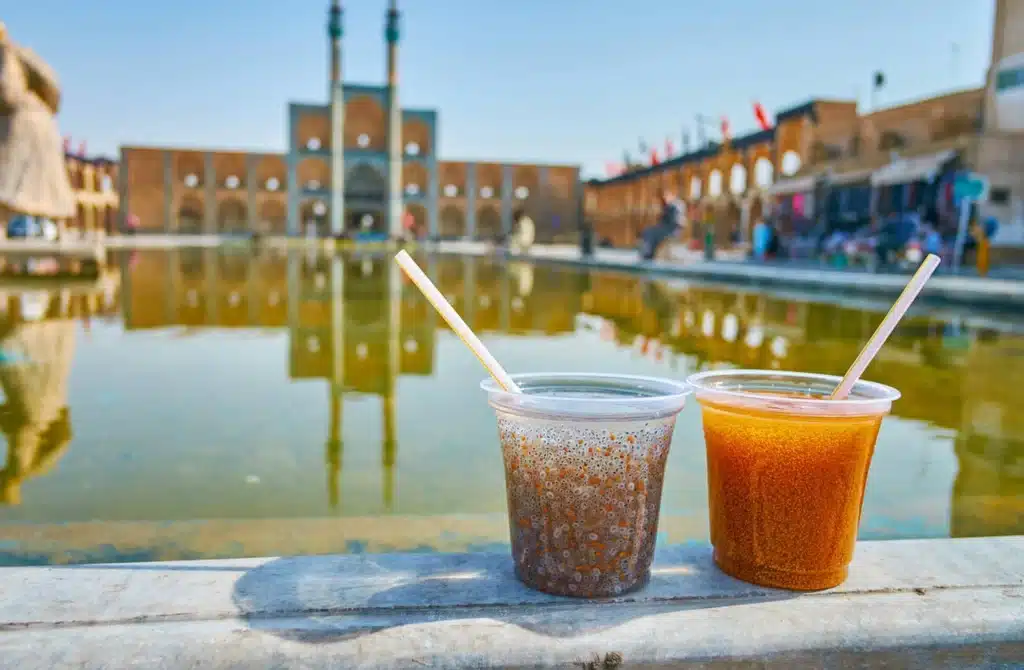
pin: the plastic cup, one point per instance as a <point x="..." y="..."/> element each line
<point x="584" y="465"/>
<point x="787" y="470"/>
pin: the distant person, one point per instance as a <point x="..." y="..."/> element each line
<point x="669" y="224"/>
<point x="33" y="174"/>
<point x="762" y="236"/>
<point x="586" y="239"/>
<point x="774" y="240"/>
<point x="523" y="233"/>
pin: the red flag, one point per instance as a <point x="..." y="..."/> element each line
<point x="726" y="135"/>
<point x="654" y="157"/>
<point x="761" y="116"/>
<point x="81" y="149"/>
<point x="670" y="149"/>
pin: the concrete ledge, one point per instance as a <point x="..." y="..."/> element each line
<point x="912" y="603"/>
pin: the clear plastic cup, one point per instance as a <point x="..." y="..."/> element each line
<point x="787" y="468"/>
<point x="584" y="465"/>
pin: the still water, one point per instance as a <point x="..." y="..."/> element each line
<point x="210" y="403"/>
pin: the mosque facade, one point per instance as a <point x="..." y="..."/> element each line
<point x="358" y="163"/>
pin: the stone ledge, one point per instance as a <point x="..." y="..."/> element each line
<point x="910" y="603"/>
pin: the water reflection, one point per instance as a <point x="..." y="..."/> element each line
<point x="355" y="328"/>
<point x="37" y="344"/>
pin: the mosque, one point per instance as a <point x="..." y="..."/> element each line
<point x="358" y="163"/>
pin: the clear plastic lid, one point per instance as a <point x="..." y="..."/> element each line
<point x="801" y="393"/>
<point x="592" y="397"/>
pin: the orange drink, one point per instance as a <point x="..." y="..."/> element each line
<point x="787" y="469"/>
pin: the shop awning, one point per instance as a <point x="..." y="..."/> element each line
<point x="906" y="170"/>
<point x="851" y="177"/>
<point x="794" y="185"/>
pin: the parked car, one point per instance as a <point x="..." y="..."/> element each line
<point x="28" y="227"/>
<point x="23" y="227"/>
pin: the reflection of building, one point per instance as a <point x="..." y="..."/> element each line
<point x="825" y="157"/>
<point x="352" y="163"/>
<point x="988" y="495"/>
<point x="37" y="337"/>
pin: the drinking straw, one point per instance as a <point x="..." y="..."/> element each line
<point x="448" y="313"/>
<point x="884" y="330"/>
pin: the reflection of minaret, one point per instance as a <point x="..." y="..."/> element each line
<point x="337" y="378"/>
<point x="336" y="99"/>
<point x="394" y="211"/>
<point x="390" y="446"/>
<point x="334" y="451"/>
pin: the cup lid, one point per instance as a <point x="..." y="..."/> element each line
<point x="766" y="390"/>
<point x="589" y="396"/>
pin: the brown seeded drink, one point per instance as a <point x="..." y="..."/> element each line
<point x="584" y="466"/>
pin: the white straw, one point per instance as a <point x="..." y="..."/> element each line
<point x="885" y="328"/>
<point x="449" y="314"/>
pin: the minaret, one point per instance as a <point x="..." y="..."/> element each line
<point x="336" y="102"/>
<point x="394" y="208"/>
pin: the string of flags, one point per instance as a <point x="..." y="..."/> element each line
<point x="613" y="169"/>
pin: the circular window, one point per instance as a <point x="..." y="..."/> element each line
<point x="191" y="180"/>
<point x="451" y="190"/>
<point x="487" y="192"/>
<point x="273" y="184"/>
<point x="411" y="346"/>
<point x="363" y="140"/>
<point x="412" y="149"/>
<point x="313" y="185"/>
<point x="312" y="345"/>
<point x="412" y="189"/>
<point x="313" y="144"/>
<point x="362" y="351"/>
<point x="522" y="193"/>
<point x="366" y="222"/>
<point x="232" y="182"/>
<point x="319" y="208"/>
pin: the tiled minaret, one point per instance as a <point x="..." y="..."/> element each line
<point x="394" y="129"/>
<point x="336" y="98"/>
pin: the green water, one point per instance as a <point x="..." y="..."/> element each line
<point x="203" y="403"/>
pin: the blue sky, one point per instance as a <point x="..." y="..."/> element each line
<point x="552" y="80"/>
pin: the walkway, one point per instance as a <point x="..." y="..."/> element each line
<point x="1002" y="291"/>
<point x="907" y="603"/>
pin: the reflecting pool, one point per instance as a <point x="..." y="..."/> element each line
<point x="216" y="403"/>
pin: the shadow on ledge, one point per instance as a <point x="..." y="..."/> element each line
<point x="323" y="599"/>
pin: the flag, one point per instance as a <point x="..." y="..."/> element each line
<point x="670" y="149"/>
<point x="879" y="80"/>
<point x="609" y="169"/>
<point x="67" y="144"/>
<point x="726" y="134"/>
<point x="81" y="149"/>
<point x="686" y="140"/>
<point x="642" y="146"/>
<point x="627" y="161"/>
<point x="654" y="157"/>
<point x="761" y="116"/>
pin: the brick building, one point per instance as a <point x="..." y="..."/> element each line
<point x="826" y="159"/>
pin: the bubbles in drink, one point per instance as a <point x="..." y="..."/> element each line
<point x="583" y="500"/>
